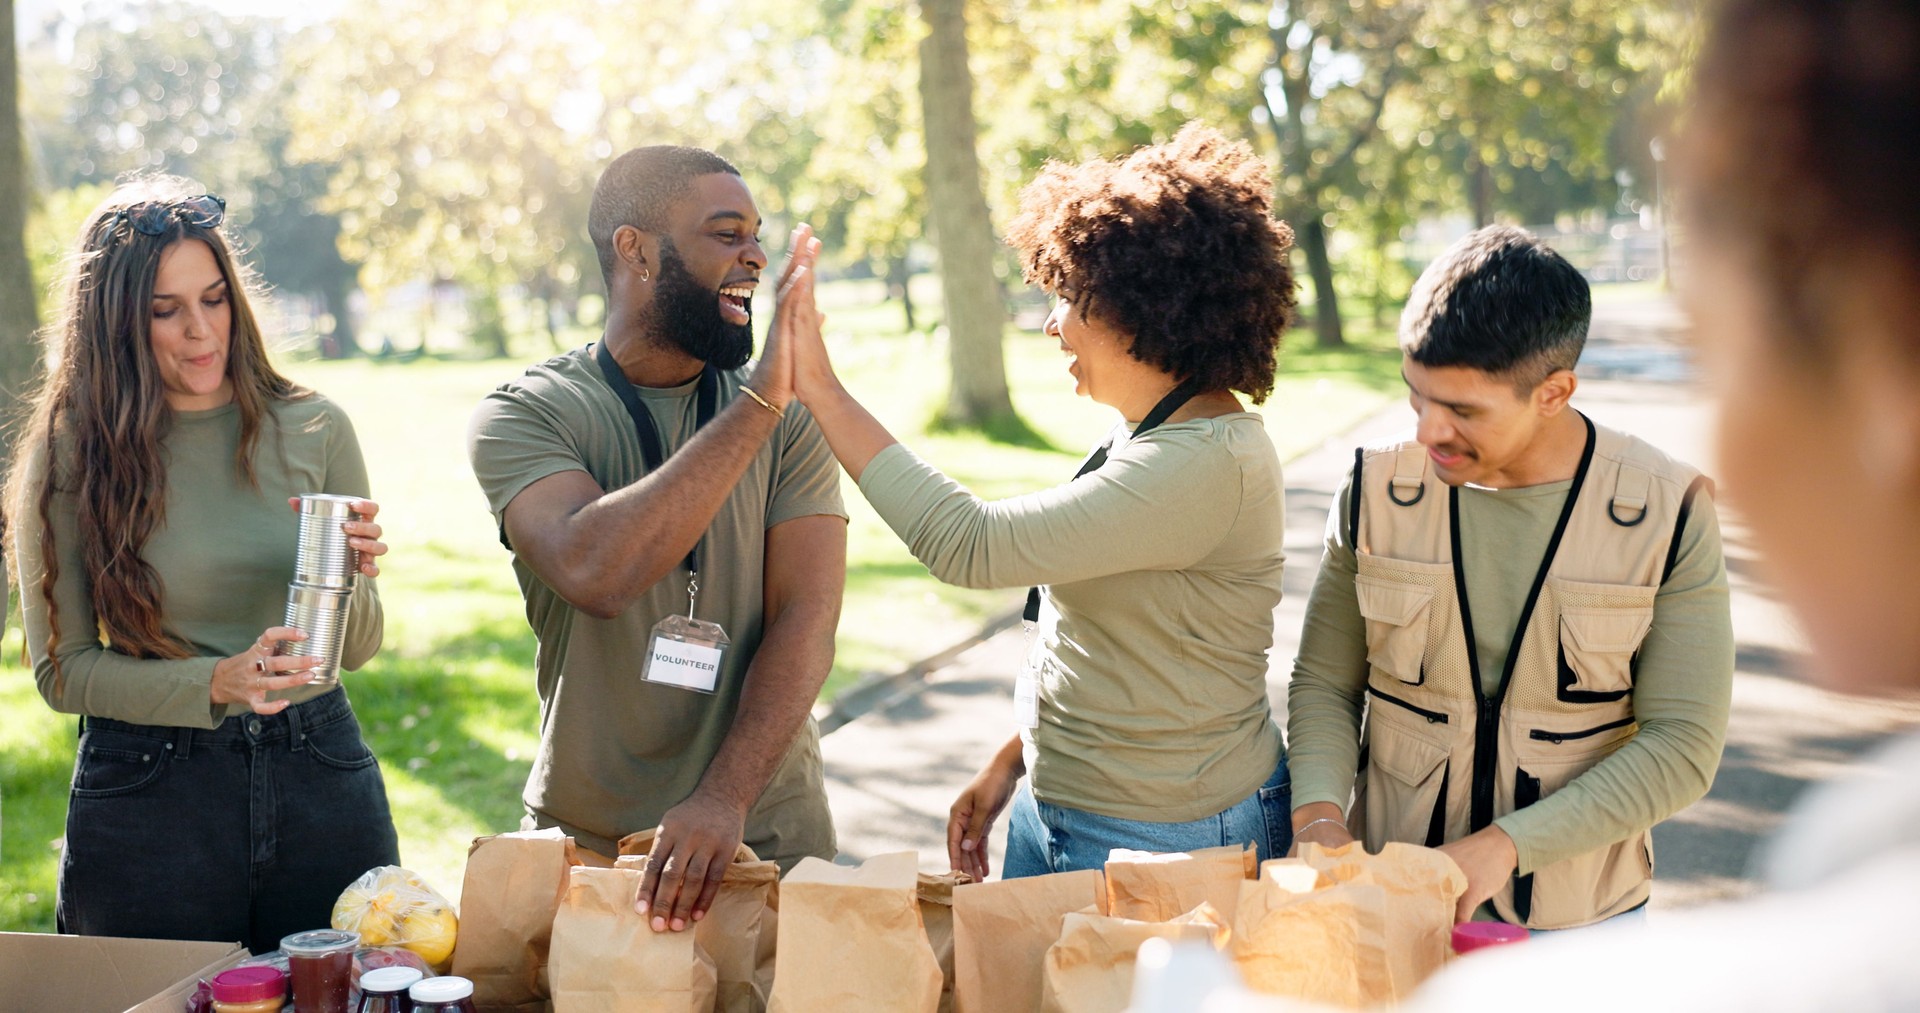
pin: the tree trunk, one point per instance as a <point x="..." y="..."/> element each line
<point x="19" y="320"/>
<point x="1312" y="235"/>
<point x="1480" y="191"/>
<point x="339" y="289"/>
<point x="962" y="228"/>
<point x="900" y="281"/>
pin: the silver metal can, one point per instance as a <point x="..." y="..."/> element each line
<point x="320" y="613"/>
<point x="322" y="557"/>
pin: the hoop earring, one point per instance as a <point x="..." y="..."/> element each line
<point x="646" y="275"/>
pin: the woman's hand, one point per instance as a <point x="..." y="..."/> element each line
<point x="363" y="536"/>
<point x="971" y="818"/>
<point x="249" y="676"/>
<point x="792" y="309"/>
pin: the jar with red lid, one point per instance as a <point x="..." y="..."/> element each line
<point x="249" y="990"/>
<point x="384" y="990"/>
<point x="1471" y="936"/>
<point x="448" y="994"/>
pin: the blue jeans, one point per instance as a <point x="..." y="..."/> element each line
<point x="247" y="831"/>
<point x="1043" y="838"/>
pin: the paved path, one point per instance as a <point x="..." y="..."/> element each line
<point x="893" y="772"/>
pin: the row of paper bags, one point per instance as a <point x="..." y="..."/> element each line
<point x="541" y="921"/>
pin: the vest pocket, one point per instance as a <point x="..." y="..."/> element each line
<point x="1397" y="617"/>
<point x="1592" y="885"/>
<point x="1406" y="772"/>
<point x="1601" y="628"/>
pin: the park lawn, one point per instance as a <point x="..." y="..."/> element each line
<point x="455" y="758"/>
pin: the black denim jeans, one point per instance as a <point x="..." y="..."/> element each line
<point x="245" y="832"/>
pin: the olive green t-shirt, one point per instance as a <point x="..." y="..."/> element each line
<point x="224" y="556"/>
<point x="617" y="752"/>
<point x="1162" y="571"/>
<point x="1682" y="690"/>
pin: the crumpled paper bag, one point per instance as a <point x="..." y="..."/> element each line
<point x="1421" y="886"/>
<point x="514" y="885"/>
<point x="1001" y="932"/>
<point x="1298" y="933"/>
<point x="1150" y="887"/>
<point x="739" y="930"/>
<point x="936" y="916"/>
<point x="607" y="959"/>
<point x="1090" y="969"/>
<point x="851" y="940"/>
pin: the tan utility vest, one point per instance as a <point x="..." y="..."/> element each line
<point x="1439" y="760"/>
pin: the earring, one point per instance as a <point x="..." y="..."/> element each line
<point x="646" y="275"/>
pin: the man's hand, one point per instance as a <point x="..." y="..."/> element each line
<point x="1489" y="860"/>
<point x="1319" y="823"/>
<point x="689" y="859"/>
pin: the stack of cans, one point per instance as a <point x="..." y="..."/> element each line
<point x="325" y="569"/>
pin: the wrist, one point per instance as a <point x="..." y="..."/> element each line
<point x="1318" y="813"/>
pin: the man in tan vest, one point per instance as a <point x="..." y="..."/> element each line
<point x="1518" y="649"/>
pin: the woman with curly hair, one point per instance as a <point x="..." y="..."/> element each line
<point x="1143" y="712"/>
<point x="216" y="795"/>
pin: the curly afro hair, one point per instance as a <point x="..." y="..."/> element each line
<point x="1176" y="246"/>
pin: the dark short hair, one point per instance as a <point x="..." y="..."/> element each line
<point x="1801" y="152"/>
<point x="639" y="187"/>
<point x="1176" y="246"/>
<point x="1502" y="302"/>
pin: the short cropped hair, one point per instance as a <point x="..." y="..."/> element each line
<point x="1502" y="302"/>
<point x="1176" y="246"/>
<point x="639" y="187"/>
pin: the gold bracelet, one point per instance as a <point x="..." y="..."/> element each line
<point x="764" y="403"/>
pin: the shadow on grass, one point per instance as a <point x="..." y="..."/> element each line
<point x="1007" y="429"/>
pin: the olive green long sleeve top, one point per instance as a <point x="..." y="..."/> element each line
<point x="1162" y="571"/>
<point x="224" y="555"/>
<point x="1681" y="696"/>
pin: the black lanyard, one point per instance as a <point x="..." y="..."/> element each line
<point x="1180" y="395"/>
<point x="650" y="444"/>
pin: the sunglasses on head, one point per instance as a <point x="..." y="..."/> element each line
<point x="153" y="218"/>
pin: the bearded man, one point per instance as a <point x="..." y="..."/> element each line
<point x="677" y="532"/>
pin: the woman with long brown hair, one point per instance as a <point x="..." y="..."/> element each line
<point x="216" y="795"/>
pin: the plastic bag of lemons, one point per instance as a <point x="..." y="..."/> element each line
<point x="390" y="906"/>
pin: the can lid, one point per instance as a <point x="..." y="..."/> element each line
<point x="390" y="980"/>
<point x="1470" y="936"/>
<point x="444" y="989"/>
<point x="249" y="984"/>
<point x="316" y="941"/>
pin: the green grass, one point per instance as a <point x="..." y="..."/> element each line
<point x="449" y="704"/>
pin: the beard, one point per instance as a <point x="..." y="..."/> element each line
<point x="687" y="314"/>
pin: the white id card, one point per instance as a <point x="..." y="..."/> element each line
<point x="1026" y="688"/>
<point x="685" y="652"/>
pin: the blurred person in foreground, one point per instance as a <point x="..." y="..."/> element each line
<point x="1142" y="710"/>
<point x="216" y="794"/>
<point x="1805" y="288"/>
<point x="650" y="483"/>
<point x="1529" y="610"/>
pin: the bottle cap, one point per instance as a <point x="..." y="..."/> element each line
<point x="390" y="980"/>
<point x="249" y="984"/>
<point x="446" y="989"/>
<point x="1470" y="936"/>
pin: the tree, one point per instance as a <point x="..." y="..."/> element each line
<point x="962" y="228"/>
<point x="19" y="349"/>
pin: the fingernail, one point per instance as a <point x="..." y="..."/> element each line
<point x="697" y="915"/>
<point x="659" y="925"/>
<point x="679" y="923"/>
<point x="640" y="906"/>
<point x="966" y="845"/>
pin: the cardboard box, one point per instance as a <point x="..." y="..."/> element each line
<point x="98" y="974"/>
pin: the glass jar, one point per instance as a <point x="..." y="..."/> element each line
<point x="1470" y="936"/>
<point x="321" y="962"/>
<point x="249" y="990"/>
<point x="449" y="994"/>
<point x="384" y="990"/>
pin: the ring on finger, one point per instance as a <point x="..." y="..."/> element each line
<point x="260" y="665"/>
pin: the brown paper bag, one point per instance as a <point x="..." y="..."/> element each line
<point x="739" y="930"/>
<point x="606" y="959"/>
<point x="851" y="940"/>
<point x="514" y="883"/>
<point x="1152" y="887"/>
<point x="1001" y="932"/>
<point x="1090" y="970"/>
<point x="1298" y="933"/>
<point x="1422" y="887"/>
<point x="936" y="916"/>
